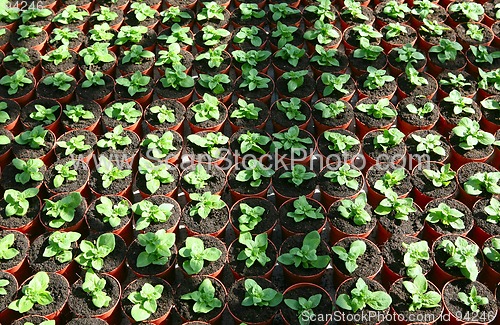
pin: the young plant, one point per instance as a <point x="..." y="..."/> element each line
<point x="101" y="34"/>
<point x="4" y="283"/>
<point x="250" y="217"/>
<point x="388" y="139"/>
<point x="366" y="51"/>
<point x="159" y="147"/>
<point x="455" y="81"/>
<point x="344" y="176"/>
<point x="304" y="307"/>
<point x="177" y="78"/>
<point x="331" y="110"/>
<point x="4" y="116"/>
<point x="440" y="178"/>
<point x="252" y="141"/>
<point x="291" y="108"/>
<point x="486" y="80"/>
<point x="376" y="79"/>
<point x="112" y="213"/>
<point x="482" y="55"/>
<point x="431" y="143"/>
<point x="155" y="175"/>
<point x="16" y="81"/>
<point x="492" y="252"/>
<point x="254" y="174"/>
<point x="206" y="202"/>
<point x="334" y="83"/>
<point x="163" y="114"/>
<point x="198" y="177"/>
<point x="94" y="287"/>
<point x="204" y="297"/>
<point x="290" y="140"/>
<point x="284" y="34"/>
<point x="250" y="59"/>
<point x="64" y="173"/>
<point x="62" y="211"/>
<point x="490" y="104"/>
<point x="149" y="213"/>
<point x="471" y="135"/>
<point x="305" y="256"/>
<point x="70" y="14"/>
<point x="295" y="79"/>
<point x="173" y="56"/>
<point x="402" y="208"/>
<point x="325" y="57"/>
<point x="33" y="14"/>
<point x="211" y="11"/>
<point x="396" y="10"/>
<point x="460" y="104"/>
<point x="421" y="111"/>
<point x="291" y="54"/>
<point x="17" y="202"/>
<point x="75" y="144"/>
<point x="473" y="300"/>
<point x="174" y="14"/>
<point x="415" y="252"/>
<point x="58" y="56"/>
<point x="462" y="255"/>
<point x="361" y="297"/>
<point x="130" y="34"/>
<point x="393" y="30"/>
<point x="178" y="35"/>
<point x="414" y="76"/>
<point x="145" y="301"/>
<point x="142" y="11"/>
<point x="423" y="8"/>
<point x="323" y="33"/>
<point x="212" y="142"/>
<point x="34" y="138"/>
<point x="493" y="211"/>
<point x="77" y="112"/>
<point x="250" y="10"/>
<point x="298" y="175"/>
<point x="304" y="210"/>
<point x="356" y="249"/>
<point x="422" y="298"/>
<point x="206" y="110"/>
<point x="256" y="296"/>
<point x="340" y="142"/>
<point x="213" y="36"/>
<point x="217" y="83"/>
<point x="471" y="10"/>
<point x="322" y="10"/>
<point x="60" y="80"/>
<point x="105" y="14"/>
<point x="30" y="170"/>
<point x="93" y="253"/>
<point x="213" y="56"/>
<point x="353" y="8"/>
<point x="252" y="80"/>
<point x="96" y="53"/>
<point x="355" y="210"/>
<point x="255" y="250"/>
<point x="19" y="55"/>
<point x="379" y="110"/>
<point x="136" y="83"/>
<point x="126" y="111"/>
<point x="408" y="54"/>
<point x="480" y="183"/>
<point x="250" y="34"/>
<point x="7" y="252"/>
<point x="109" y="173"/>
<point x="196" y="254"/>
<point x="389" y="180"/>
<point x="475" y="32"/>
<point x="157" y="248"/>
<point x="92" y="79"/>
<point x="35" y="292"/>
<point x="114" y="139"/>
<point x="446" y="50"/>
<point x="28" y="31"/>
<point x="280" y="11"/>
<point x="136" y="55"/>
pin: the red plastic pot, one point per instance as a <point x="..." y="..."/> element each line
<point x="362" y="129"/>
<point x="195" y="129"/>
<point x="287" y="233"/>
<point x="166" y="274"/>
<point x="237" y="230"/>
<point x="32" y="228"/>
<point x="374" y="197"/>
<point x="420" y="198"/>
<point x="489" y="276"/>
<point x="383" y="235"/>
<point x="266" y="275"/>
<point x="21" y="271"/>
<point x="457" y="160"/>
<point x="302" y="285"/>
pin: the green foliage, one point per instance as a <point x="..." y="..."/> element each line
<point x="331" y="110"/>
<point x="211" y="11"/>
<point x="361" y="297"/>
<point x="250" y="34"/>
<point x="353" y="8"/>
<point x="70" y="14"/>
<point x="291" y="108"/>
<point x="94" y="286"/>
<point x="174" y="14"/>
<point x="388" y="139"/>
<point x="298" y="175"/>
<point x="255" y="250"/>
<point x="145" y="301"/>
<point x="63" y="210"/>
<point x="490" y="104"/>
<point x="206" y="110"/>
<point x="460" y="104"/>
<point x="345" y="176"/>
<point x="493" y="211"/>
<point x="105" y="14"/>
<point x="356" y="249"/>
<point x="75" y="144"/>
<point x="58" y="56"/>
<point x="64" y="173"/>
<point x="304" y="210"/>
<point x="281" y="11"/>
<point x="420" y="295"/>
<point x="178" y="34"/>
<point x="255" y="172"/>
<point x="114" y="139"/>
<point x="379" y="110"/>
<point x="157" y="248"/>
<point x="455" y="80"/>
<point x="291" y="54"/>
<point x="486" y="79"/>
<point x="250" y="10"/>
<point x="28" y="31"/>
<point x="17" y="202"/>
<point x="305" y="256"/>
<point x="423" y="8"/>
<point x="250" y="217"/>
<point x="334" y="83"/>
<point x="491" y="251"/>
<point x="16" y="81"/>
<point x="408" y="54"/>
<point x="206" y="203"/>
<point x="473" y="11"/>
<point x="171" y="57"/>
<point x="30" y="170"/>
<point x="18" y="54"/>
<point x="366" y="51"/>
<point x="415" y="252"/>
<point x="479" y="183"/>
<point x="212" y="142"/>
<point x="204" y="297"/>
<point x="295" y="79"/>
<point x="431" y="143"/>
<point x="77" y="112"/>
<point x="60" y="80"/>
<point x="142" y="11"/>
<point x="250" y="59"/>
<point x="304" y="307"/>
<point x="213" y="36"/>
<point x="389" y="180"/>
<point x="446" y="215"/>
<point x="109" y="173"/>
<point x="135" y="83"/>
<point x="4" y="116"/>
<point x="446" y="50"/>
<point x="414" y="76"/>
<point x="196" y="254"/>
<point x="421" y="111"/>
<point x="177" y="78"/>
<point x="93" y="253"/>
<point x="471" y="134"/>
<point x="130" y="34"/>
<point x="290" y="140"/>
<point x="213" y="56"/>
<point x="252" y="141"/>
<point x="395" y="9"/>
<point x="376" y="79"/>
<point x="473" y="300"/>
<point x="402" y="208"/>
<point x="102" y="34"/>
<point x="355" y="210"/>
<point x="323" y="33"/>
<point x="441" y="178"/>
<point x="163" y="114"/>
<point x="256" y="296"/>
<point x="3" y="283"/>
<point x="325" y="57"/>
<point x="482" y="55"/>
<point x="96" y="53"/>
<point x="7" y="252"/>
<point x="462" y="255"/>
<point x="136" y="54"/>
<point x="198" y="177"/>
<point x="35" y="292"/>
<point x="112" y="213"/>
<point x="149" y="213"/>
<point x="475" y="32"/>
<point x="124" y="111"/>
<point x="216" y="83"/>
<point x="155" y="175"/>
<point x="252" y="80"/>
<point x="32" y="14"/>
<point x="393" y="30"/>
<point x="322" y="10"/>
<point x="284" y="34"/>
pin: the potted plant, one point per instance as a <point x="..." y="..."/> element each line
<point x="27" y="173"/>
<point x="446" y="55"/>
<point x="328" y="60"/>
<point x="454" y="108"/>
<point x="391" y="12"/>
<point x="218" y="85"/>
<point x="60" y="86"/>
<point x="207" y="146"/>
<point x="386" y="178"/>
<point x="300" y="216"/>
<point x="328" y="113"/>
<point x="173" y="56"/>
<point x="324" y="34"/>
<point x="78" y="144"/>
<point x="136" y="59"/>
<point x="254" y="85"/>
<point x="97" y="57"/>
<point x="175" y="84"/>
<point x="107" y="14"/>
<point x="64" y="211"/>
<point x="66" y="175"/>
<point x="367" y="55"/>
<point x="484" y="57"/>
<point x="288" y="112"/>
<point x="162" y="145"/>
<point x="213" y="61"/>
<point x="22" y="57"/>
<point x="248" y="14"/>
<point x="60" y="60"/>
<point x="433" y="180"/>
<point x="107" y="174"/>
<point x="176" y="34"/>
<point x="304" y="258"/>
<point x="414" y="83"/>
<point x="213" y="13"/>
<point x="71" y="16"/>
<point x="247" y="113"/>
<point x="383" y="146"/>
<point x="398" y="58"/>
<point x="9" y="287"/>
<point x="21" y="210"/>
<point x="15" y="248"/>
<point x="141" y="35"/>
<point x="354" y="13"/>
<point x="293" y="181"/>
<point x="426" y="145"/>
<point x="250" y="256"/>
<point x="124" y="112"/>
<point x="176" y="15"/>
<point x="295" y="310"/>
<point x="9" y="114"/>
<point x="119" y="144"/>
<point x="361" y="36"/>
<point x="338" y="86"/>
<point x="249" y="179"/>
<point x="476" y="181"/>
<point x="255" y="215"/>
<point x="296" y="84"/>
<point x="416" y="113"/>
<point x="35" y="143"/>
<point x="95" y="86"/>
<point x="397" y="35"/>
<point x="142" y="14"/>
<point x="205" y="214"/>
<point x="425" y="9"/>
<point x="156" y="179"/>
<point x="249" y="38"/>
<point x="165" y="114"/>
<point x="489" y="121"/>
<point x="374" y="113"/>
<point x="30" y="37"/>
<point x="155" y="213"/>
<point x="210" y="37"/>
<point x="135" y="86"/>
<point x="246" y="60"/>
<point x="44" y="112"/>
<point x="294" y="144"/>
<point x="283" y="12"/>
<point x="447" y="216"/>
<point x="490" y="251"/>
<point x="19" y="86"/>
<point x="456" y="80"/>
<point x="338" y="182"/>
<point x="376" y="84"/>
<point x="431" y="32"/>
<point x="207" y="114"/>
<point x="200" y="178"/>
<point x="198" y="249"/>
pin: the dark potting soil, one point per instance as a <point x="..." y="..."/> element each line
<point x="407" y="38"/>
<point x="413" y="119"/>
<point x="237" y="19"/>
<point x="411" y="147"/>
<point x="362" y="64"/>
<point x="459" y="62"/>
<point x="305" y="226"/>
<point x="32" y="319"/>
<point x="391" y="155"/>
<point x="171" y="222"/>
<point x="30" y="108"/>
<point x="13" y="109"/>
<point x="456" y="307"/>
<point x="50" y="91"/>
<point x="440" y="256"/>
<point x="200" y="90"/>
<point x="411" y="90"/>
<point x="153" y="269"/>
<point x="117" y="186"/>
<point x="89" y="105"/>
<point x="393" y="253"/>
<point x="14" y="222"/>
<point x="349" y="86"/>
<point x="164" y="303"/>
<point x="369" y="263"/>
<point x="65" y="65"/>
<point x="377" y="172"/>
<point x="68" y="186"/>
<point x="297" y="241"/>
<point x="347" y="225"/>
<point x="479" y="151"/>
<point x="100" y="66"/>
<point x="447" y="229"/>
<point x="206" y="124"/>
<point x="109" y="3"/>
<point x="198" y="40"/>
<point x="350" y="20"/>
<point x="58" y="289"/>
<point x="80" y="302"/>
<point x="412" y="226"/>
<point x="177" y="142"/>
<point x="269" y="218"/>
<point x="165" y="188"/>
<point x="256" y="94"/>
<point x="393" y="55"/>
<point x="288" y="20"/>
<point x="425" y="186"/>
<point x="388" y="88"/>
<point x="480" y="217"/>
<point x="208" y="267"/>
<point x="79" y="213"/>
<point x="216" y="183"/>
<point x="434" y="39"/>
<point x="131" y="20"/>
<point x="459" y="16"/>
<point x="90" y="139"/>
<point x="177" y="107"/>
<point x="402" y="299"/>
<point x="489" y="8"/>
<point x="21" y="91"/>
<point x="255" y="314"/>
<point x="93" y="19"/>
<point x="279" y="117"/>
<point x="303" y="91"/>
<point x="28" y="43"/>
<point x="183" y="21"/>
<point x="244" y="123"/>
<point x="491" y="115"/>
<point x="439" y="15"/>
<point x="380" y="15"/>
<point x="4" y="39"/>
<point x="95" y="220"/>
<point x="343" y="63"/>
<point x="185" y="307"/>
<point x="370" y="121"/>
<point x="245" y="187"/>
<point x="324" y="308"/>
<point x="298" y="154"/>
<point x="493" y="264"/>
<point x="34" y="59"/>
<point x="21" y="243"/>
<point x="346" y="116"/>
<point x="116" y="257"/>
<point x="6" y="147"/>
<point x="40" y="263"/>
<point x="471" y="169"/>
<point x="216" y="220"/>
<point x="348" y="286"/>
<point x="128" y="68"/>
<point x="26" y="152"/>
<point x="122" y="91"/>
<point x="10" y="288"/>
<point x="335" y="189"/>
<point x="121" y="153"/>
<point x="285" y="187"/>
<point x="462" y="29"/>
<point x="73" y="43"/>
<point x="446" y="109"/>
<point x="332" y="44"/>
<point x="256" y="269"/>
<point x="171" y="92"/>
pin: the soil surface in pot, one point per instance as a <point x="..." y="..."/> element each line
<point x="369" y="263"/>
<point x="208" y="267"/>
<point x="269" y="218"/>
<point x="440" y="256"/>
<point x="21" y="243"/>
<point x="454" y="204"/>
<point x="81" y="302"/>
<point x="393" y="253"/>
<point x="347" y="225"/>
<point x="47" y="264"/>
<point x="305" y="226"/>
<point x="324" y="308"/>
<point x="425" y="186"/>
<point x="95" y="219"/>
